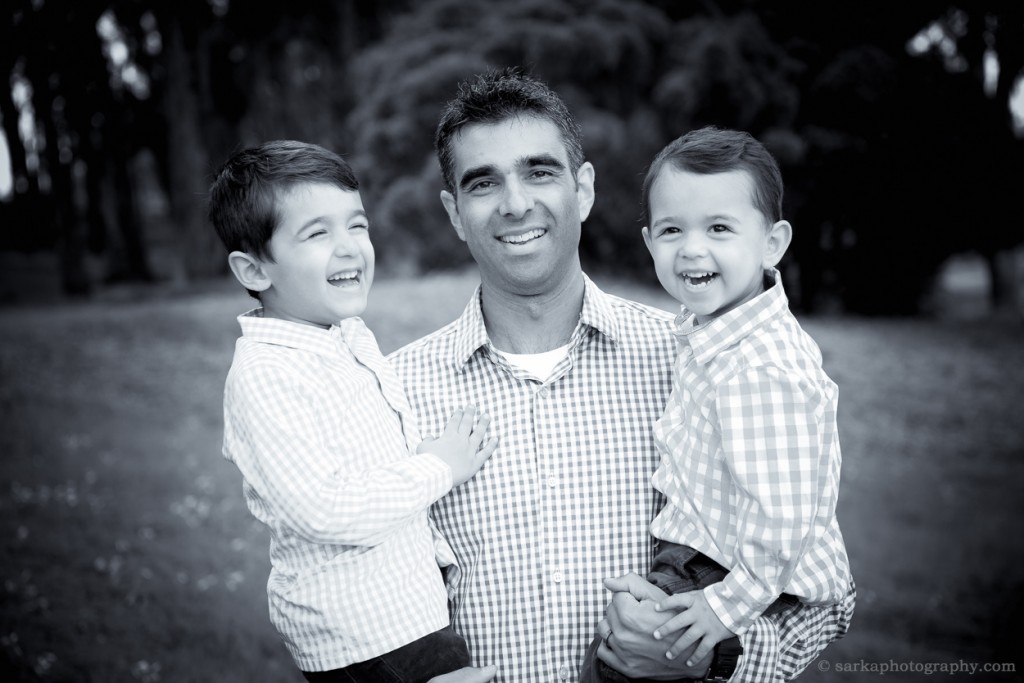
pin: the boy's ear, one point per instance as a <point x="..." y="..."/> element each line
<point x="776" y="242"/>
<point x="448" y="199"/>
<point x="647" y="238"/>
<point x="249" y="271"/>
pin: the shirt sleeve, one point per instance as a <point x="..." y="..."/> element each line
<point x="779" y="647"/>
<point x="772" y="442"/>
<point x="273" y="434"/>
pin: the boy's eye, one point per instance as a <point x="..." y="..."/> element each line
<point x="315" y="233"/>
<point x="718" y="227"/>
<point x="670" y="230"/>
<point x="359" y="226"/>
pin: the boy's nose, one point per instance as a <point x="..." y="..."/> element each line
<point x="692" y="245"/>
<point x="344" y="244"/>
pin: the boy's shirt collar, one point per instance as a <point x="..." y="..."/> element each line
<point x="710" y="339"/>
<point x="258" y="328"/>
<point x="472" y="333"/>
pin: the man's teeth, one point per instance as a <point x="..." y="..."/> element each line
<point x="522" y="239"/>
<point x="339" y="277"/>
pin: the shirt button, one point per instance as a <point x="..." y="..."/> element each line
<point x="557" y="576"/>
<point x="552" y="481"/>
<point x="563" y="672"/>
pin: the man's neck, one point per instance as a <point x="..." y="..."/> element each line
<point x="519" y="323"/>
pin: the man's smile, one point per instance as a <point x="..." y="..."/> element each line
<point x="523" y="237"/>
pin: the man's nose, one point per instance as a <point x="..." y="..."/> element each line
<point x="515" y="199"/>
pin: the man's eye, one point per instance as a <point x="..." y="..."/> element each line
<point x="359" y="226"/>
<point x="481" y="186"/>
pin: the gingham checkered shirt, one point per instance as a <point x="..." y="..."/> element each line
<point x="566" y="500"/>
<point x="319" y="427"/>
<point x="750" y="459"/>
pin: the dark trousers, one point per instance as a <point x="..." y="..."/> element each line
<point x="439" y="653"/>
<point x="676" y="569"/>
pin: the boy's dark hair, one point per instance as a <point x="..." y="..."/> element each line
<point x="496" y="96"/>
<point x="244" y="196"/>
<point x="713" y="150"/>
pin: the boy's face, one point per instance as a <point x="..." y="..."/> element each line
<point x="710" y="243"/>
<point x="323" y="259"/>
<point x="517" y="205"/>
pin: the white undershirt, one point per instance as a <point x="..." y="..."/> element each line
<point x="540" y="365"/>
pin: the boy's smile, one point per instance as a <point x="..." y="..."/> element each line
<point x="323" y="260"/>
<point x="710" y="243"/>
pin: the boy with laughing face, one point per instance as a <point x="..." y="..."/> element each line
<point x="749" y="441"/>
<point x="321" y="430"/>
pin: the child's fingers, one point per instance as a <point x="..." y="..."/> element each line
<point x="468" y="420"/>
<point x="684" y="643"/>
<point x="677" y="601"/>
<point x="486" y="450"/>
<point x="454" y="422"/>
<point x="476" y="437"/>
<point x="702" y="651"/>
<point x="677" y="623"/>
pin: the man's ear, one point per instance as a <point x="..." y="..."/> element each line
<point x="585" y="180"/>
<point x="776" y="242"/>
<point x="448" y="199"/>
<point x="249" y="271"/>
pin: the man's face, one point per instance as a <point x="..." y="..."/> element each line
<point x="517" y="205"/>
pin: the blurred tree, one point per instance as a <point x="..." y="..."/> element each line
<point x="904" y="148"/>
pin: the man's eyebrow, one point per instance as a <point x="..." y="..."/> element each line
<point x="542" y="160"/>
<point x="473" y="173"/>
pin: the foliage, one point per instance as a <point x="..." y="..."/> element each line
<point x="890" y="131"/>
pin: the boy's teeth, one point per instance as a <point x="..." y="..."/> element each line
<point x="698" y="278"/>
<point x="343" y="276"/>
<point x="521" y="239"/>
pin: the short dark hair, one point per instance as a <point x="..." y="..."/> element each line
<point x="714" y="150"/>
<point x="244" y="196"/>
<point x="498" y="95"/>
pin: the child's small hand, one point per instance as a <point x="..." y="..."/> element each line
<point x="697" y="621"/>
<point x="462" y="445"/>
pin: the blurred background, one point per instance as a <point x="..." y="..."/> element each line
<point x="127" y="550"/>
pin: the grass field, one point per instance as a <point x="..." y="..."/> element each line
<point x="128" y="554"/>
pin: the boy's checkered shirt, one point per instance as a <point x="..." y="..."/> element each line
<point x="750" y="459"/>
<point x="566" y="500"/>
<point x="319" y="427"/>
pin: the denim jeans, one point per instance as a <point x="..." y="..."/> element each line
<point x="676" y="569"/>
<point x="438" y="653"/>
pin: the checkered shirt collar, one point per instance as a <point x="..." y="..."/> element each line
<point x="710" y="339"/>
<point x="471" y="333"/>
<point x="257" y="327"/>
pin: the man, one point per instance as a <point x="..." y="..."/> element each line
<point x="573" y="379"/>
